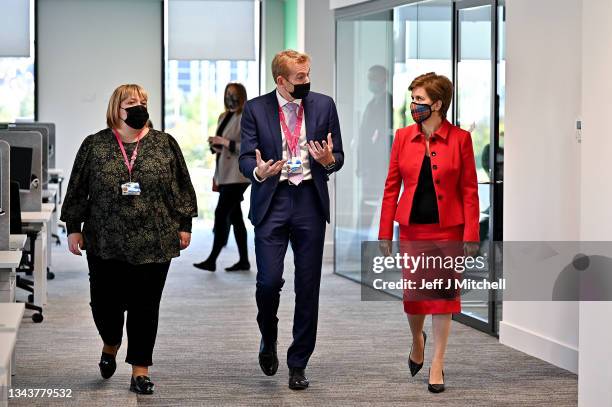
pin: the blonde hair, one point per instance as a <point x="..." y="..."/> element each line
<point x="123" y="92"/>
<point x="281" y="61"/>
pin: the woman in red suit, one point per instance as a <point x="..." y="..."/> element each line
<point x="434" y="160"/>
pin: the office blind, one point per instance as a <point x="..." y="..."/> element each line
<point x="211" y="29"/>
<point x="15" y="28"/>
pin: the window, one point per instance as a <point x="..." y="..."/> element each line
<point x="17" y="61"/>
<point x="196" y="76"/>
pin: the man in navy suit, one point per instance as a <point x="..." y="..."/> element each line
<point x="290" y="144"/>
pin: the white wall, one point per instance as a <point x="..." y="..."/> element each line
<point x="85" y="50"/>
<point x="595" y="368"/>
<point x="542" y="161"/>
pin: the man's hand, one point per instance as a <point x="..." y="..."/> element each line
<point x="75" y="243"/>
<point x="268" y="168"/>
<point x="185" y="238"/>
<point x="322" y="153"/>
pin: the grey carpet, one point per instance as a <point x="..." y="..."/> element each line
<point x="206" y="352"/>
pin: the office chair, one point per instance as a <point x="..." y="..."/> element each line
<point x="27" y="258"/>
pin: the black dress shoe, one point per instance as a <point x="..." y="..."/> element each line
<point x="240" y="266"/>
<point x="415" y="367"/>
<point x="436" y="388"/>
<point x="297" y="379"/>
<point x="108" y="365"/>
<point x="206" y="265"/>
<point x="142" y="385"/>
<point x="268" y="359"/>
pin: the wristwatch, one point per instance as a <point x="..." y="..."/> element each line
<point x="330" y="166"/>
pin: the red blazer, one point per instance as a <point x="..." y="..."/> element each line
<point x="454" y="174"/>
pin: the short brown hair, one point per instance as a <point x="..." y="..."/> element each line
<point x="280" y="63"/>
<point x="437" y="87"/>
<point x="242" y="95"/>
<point x="113" y="120"/>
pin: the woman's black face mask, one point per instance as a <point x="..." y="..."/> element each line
<point x="137" y="116"/>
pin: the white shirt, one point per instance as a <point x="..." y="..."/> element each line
<point x="304" y="154"/>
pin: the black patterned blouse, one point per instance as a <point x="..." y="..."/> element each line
<point x="136" y="229"/>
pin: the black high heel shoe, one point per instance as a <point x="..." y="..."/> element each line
<point x="415" y="367"/>
<point x="436" y="388"/>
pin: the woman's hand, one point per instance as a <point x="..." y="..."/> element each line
<point x="385" y="247"/>
<point x="185" y="238"/>
<point x="219" y="140"/>
<point x="471" y="248"/>
<point x="75" y="243"/>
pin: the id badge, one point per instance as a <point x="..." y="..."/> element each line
<point x="130" y="188"/>
<point x="294" y="166"/>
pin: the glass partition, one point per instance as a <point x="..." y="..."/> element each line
<point x="364" y="72"/>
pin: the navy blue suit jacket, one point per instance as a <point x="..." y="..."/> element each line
<point x="260" y="129"/>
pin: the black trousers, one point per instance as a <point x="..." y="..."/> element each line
<point x="227" y="214"/>
<point x="116" y="287"/>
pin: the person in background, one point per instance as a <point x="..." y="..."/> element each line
<point x="230" y="183"/>
<point x="374" y="140"/>
<point x="131" y="190"/>
<point x="434" y="160"/>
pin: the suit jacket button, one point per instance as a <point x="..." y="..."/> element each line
<point x="433" y="153"/>
<point x="435" y="167"/>
<point x="437" y="181"/>
<point x="439" y="197"/>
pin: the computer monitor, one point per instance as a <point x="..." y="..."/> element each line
<point x="44" y="129"/>
<point x="21" y="166"/>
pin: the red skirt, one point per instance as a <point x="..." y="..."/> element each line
<point x="424" y="240"/>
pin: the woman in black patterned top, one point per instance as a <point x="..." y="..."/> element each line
<point x="131" y="190"/>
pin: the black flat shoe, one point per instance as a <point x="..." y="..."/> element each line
<point x="268" y="359"/>
<point x="206" y="265"/>
<point x="108" y="365"/>
<point x="415" y="367"/>
<point x="297" y="379"/>
<point x="142" y="385"/>
<point x="240" y="266"/>
<point x="436" y="388"/>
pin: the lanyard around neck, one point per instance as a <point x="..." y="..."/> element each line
<point x="129" y="164"/>
<point x="292" y="137"/>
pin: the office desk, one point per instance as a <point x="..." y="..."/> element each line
<point x="11" y="315"/>
<point x="52" y="228"/>
<point x="17" y="242"/>
<point x="58" y="174"/>
<point x="7" y="352"/>
<point x="10" y="319"/>
<point x="9" y="261"/>
<point x="39" y="219"/>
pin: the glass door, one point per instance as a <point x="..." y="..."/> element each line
<point x="476" y="110"/>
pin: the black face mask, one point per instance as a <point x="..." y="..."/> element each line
<point x="232" y="102"/>
<point x="300" y="90"/>
<point x="137" y="116"/>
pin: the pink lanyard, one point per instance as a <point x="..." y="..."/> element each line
<point x="129" y="164"/>
<point x="292" y="138"/>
